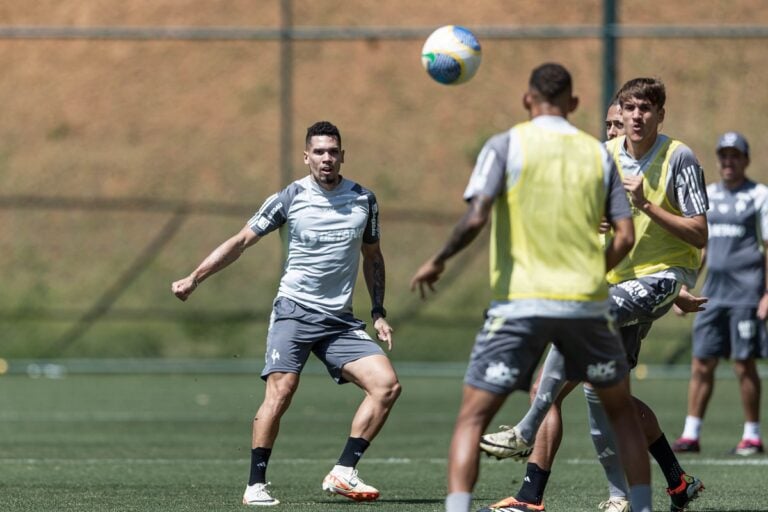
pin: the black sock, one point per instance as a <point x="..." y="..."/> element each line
<point x="534" y="483"/>
<point x="667" y="461"/>
<point x="259" y="460"/>
<point x="354" y="449"/>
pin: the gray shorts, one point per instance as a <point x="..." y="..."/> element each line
<point x="507" y="351"/>
<point x="295" y="331"/>
<point x="636" y="304"/>
<point x="729" y="332"/>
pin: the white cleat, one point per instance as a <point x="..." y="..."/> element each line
<point x="506" y="444"/>
<point x="614" y="504"/>
<point x="257" y="495"/>
<point x="345" y="482"/>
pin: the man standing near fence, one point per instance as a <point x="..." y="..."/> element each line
<point x="328" y="221"/>
<point x="737" y="286"/>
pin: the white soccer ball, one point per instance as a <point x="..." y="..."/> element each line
<point x="451" y="55"/>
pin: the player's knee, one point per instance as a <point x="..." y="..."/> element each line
<point x="388" y="392"/>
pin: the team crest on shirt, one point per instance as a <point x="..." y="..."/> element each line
<point x="501" y="374"/>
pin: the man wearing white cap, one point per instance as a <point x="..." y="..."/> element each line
<point x="733" y="326"/>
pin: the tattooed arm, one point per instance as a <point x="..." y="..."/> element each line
<point x="464" y="232"/>
<point x="374" y="274"/>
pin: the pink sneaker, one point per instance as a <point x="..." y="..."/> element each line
<point x="748" y="447"/>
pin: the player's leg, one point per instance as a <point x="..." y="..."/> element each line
<point x="478" y="406"/>
<point x="605" y="445"/>
<point x="503" y="359"/>
<point x="516" y="442"/>
<point x="700" y="388"/>
<point x="604" y="363"/>
<point x="747" y="340"/>
<point x="548" y="439"/>
<point x="624" y="421"/>
<point x="711" y="341"/>
<point x="285" y="358"/>
<point x="352" y="356"/>
<point x="749" y="386"/>
<point x="637" y="303"/>
<point x="266" y="424"/>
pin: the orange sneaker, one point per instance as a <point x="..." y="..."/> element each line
<point x="345" y="482"/>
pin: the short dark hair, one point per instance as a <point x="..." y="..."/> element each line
<point x="651" y="89"/>
<point x="551" y="80"/>
<point x="323" y="128"/>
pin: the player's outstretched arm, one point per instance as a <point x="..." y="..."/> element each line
<point x="221" y="257"/>
<point x="464" y="232"/>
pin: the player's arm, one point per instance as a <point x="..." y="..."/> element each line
<point x="762" y="306"/>
<point x="686" y="302"/>
<point x="221" y="257"/>
<point x="618" y="216"/>
<point x="374" y="274"/>
<point x="621" y="243"/>
<point x="471" y="224"/>
<point x="692" y="230"/>
<point x="687" y="190"/>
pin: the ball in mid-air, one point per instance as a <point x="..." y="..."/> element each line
<point x="451" y="55"/>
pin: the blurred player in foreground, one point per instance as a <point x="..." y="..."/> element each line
<point x="547" y="274"/>
<point x="328" y="222"/>
<point x="734" y="324"/>
<point x="666" y="187"/>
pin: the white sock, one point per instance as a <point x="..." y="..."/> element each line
<point x="692" y="428"/>
<point x="751" y="430"/>
<point x="344" y="470"/>
<point x="458" y="502"/>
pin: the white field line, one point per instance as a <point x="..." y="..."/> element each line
<point x="761" y="461"/>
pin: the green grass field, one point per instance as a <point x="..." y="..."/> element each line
<point x="181" y="443"/>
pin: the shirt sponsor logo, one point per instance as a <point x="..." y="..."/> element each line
<point x="633" y="288"/>
<point x="310" y="237"/>
<point x="727" y="230"/>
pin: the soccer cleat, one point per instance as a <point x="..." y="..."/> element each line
<point x="747" y="447"/>
<point x="345" y="482"/>
<point x="686" y="492"/>
<point x="512" y="504"/>
<point x="614" y="504"/>
<point x="685" y="445"/>
<point x="506" y="444"/>
<point x="258" y="495"/>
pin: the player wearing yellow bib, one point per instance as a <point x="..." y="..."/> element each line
<point x="546" y="185"/>
<point x="666" y="187"/>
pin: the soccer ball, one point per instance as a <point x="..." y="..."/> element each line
<point x="451" y="55"/>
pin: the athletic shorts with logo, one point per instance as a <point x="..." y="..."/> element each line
<point x="636" y="304"/>
<point x="295" y="331"/>
<point x="729" y="332"/>
<point x="507" y="351"/>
